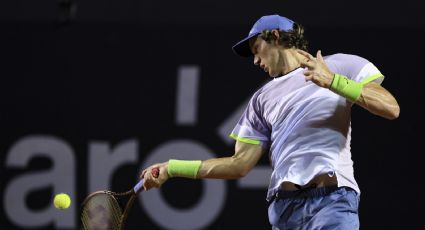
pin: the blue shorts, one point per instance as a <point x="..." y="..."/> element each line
<point x="316" y="208"/>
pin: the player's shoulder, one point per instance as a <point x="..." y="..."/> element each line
<point x="344" y="57"/>
<point x="344" y="61"/>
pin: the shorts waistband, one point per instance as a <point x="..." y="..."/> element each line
<point x="307" y="192"/>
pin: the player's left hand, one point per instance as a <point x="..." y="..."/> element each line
<point x="317" y="71"/>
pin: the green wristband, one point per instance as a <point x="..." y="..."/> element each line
<point x="347" y="88"/>
<point x="183" y="168"/>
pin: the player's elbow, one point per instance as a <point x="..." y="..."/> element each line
<point x="241" y="168"/>
<point x="243" y="172"/>
<point x="393" y="113"/>
<point x="396" y="112"/>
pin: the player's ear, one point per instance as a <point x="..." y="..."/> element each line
<point x="276" y="36"/>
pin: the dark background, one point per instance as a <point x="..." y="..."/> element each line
<point x="107" y="72"/>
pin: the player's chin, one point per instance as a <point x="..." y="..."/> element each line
<point x="273" y="74"/>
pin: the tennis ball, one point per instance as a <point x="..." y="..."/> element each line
<point x="62" y="201"/>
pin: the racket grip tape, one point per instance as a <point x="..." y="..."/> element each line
<point x="139" y="186"/>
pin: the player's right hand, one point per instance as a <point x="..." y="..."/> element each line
<point x="152" y="178"/>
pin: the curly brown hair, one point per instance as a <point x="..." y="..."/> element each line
<point x="292" y="38"/>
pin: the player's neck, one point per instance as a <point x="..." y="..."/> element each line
<point x="290" y="61"/>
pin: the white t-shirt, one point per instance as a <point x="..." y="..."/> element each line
<point x="306" y="127"/>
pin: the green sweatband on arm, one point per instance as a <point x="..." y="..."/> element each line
<point x="183" y="168"/>
<point x="347" y="88"/>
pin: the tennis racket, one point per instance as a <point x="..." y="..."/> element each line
<point x="101" y="210"/>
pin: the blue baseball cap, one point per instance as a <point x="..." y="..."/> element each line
<point x="268" y="22"/>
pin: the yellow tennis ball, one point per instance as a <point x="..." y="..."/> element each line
<point x="62" y="201"/>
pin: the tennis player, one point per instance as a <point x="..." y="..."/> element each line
<point x="301" y="118"/>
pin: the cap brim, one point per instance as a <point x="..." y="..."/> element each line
<point x="242" y="48"/>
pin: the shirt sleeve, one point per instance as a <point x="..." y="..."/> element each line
<point x="359" y="69"/>
<point x="252" y="127"/>
<point x="369" y="73"/>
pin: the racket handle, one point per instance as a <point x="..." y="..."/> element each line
<point x="138" y="186"/>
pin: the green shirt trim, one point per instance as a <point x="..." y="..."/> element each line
<point x="371" y="78"/>
<point x="245" y="140"/>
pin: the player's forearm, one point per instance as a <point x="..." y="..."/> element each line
<point x="223" y="168"/>
<point x="378" y="101"/>
<point x="214" y="168"/>
<point x="245" y="158"/>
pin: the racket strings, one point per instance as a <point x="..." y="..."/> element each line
<point x="101" y="212"/>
